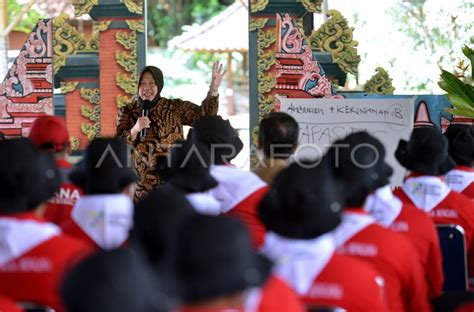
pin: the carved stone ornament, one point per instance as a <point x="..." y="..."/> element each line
<point x="83" y="6"/>
<point x="134" y="6"/>
<point x="257" y="23"/>
<point x="380" y="83"/>
<point x="335" y="36"/>
<point x="136" y="25"/>
<point x="91" y="129"/>
<point x="67" y="87"/>
<point x="314" y="6"/>
<point x="258" y="5"/>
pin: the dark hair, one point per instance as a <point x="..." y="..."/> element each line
<point x="2" y="136"/>
<point x="113" y="281"/>
<point x="461" y="144"/>
<point x="304" y="201"/>
<point x="219" y="136"/>
<point x="277" y="129"/>
<point x="187" y="167"/>
<point x="360" y="165"/>
<point x="157" y="219"/>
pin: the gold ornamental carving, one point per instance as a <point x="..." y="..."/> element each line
<point x="258" y="5"/>
<point x="335" y="36"/>
<point x="380" y="83"/>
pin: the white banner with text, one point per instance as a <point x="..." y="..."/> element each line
<point x="323" y="121"/>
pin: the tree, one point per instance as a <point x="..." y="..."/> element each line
<point x="437" y="30"/>
<point x="167" y="17"/>
<point x="27" y="21"/>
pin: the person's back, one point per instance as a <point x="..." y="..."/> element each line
<point x="461" y="149"/>
<point x="277" y="141"/>
<point x="417" y="226"/>
<point x="299" y="214"/>
<point x="361" y="167"/>
<point x="218" y="279"/>
<point x="103" y="216"/>
<point x="426" y="156"/>
<point x="333" y="286"/>
<point x="34" y="254"/>
<point x="8" y="305"/>
<point x="449" y="208"/>
<point x="238" y="191"/>
<point x="35" y="271"/>
<point x="391" y="254"/>
<point x="50" y="134"/>
<point x="275" y="295"/>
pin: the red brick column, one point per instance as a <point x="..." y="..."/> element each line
<point x="108" y="86"/>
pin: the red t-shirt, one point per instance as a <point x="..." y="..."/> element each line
<point x="35" y="275"/>
<point x="392" y="255"/>
<point x="58" y="209"/>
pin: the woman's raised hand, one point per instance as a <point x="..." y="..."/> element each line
<point x="217" y="75"/>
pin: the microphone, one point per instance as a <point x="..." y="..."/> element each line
<point x="146" y="106"/>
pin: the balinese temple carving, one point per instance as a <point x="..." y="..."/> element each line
<point x="96" y="75"/>
<point x="380" y="83"/>
<point x="27" y="90"/>
<point x="335" y="36"/>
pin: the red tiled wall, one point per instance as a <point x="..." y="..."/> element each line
<point x="109" y="89"/>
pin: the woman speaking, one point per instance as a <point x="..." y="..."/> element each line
<point x="152" y="123"/>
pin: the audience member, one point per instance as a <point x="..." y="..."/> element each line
<point x="238" y="191"/>
<point x="50" y="134"/>
<point x="113" y="281"/>
<point x="390" y="212"/>
<point x="392" y="254"/>
<point x="187" y="168"/>
<point x="299" y="213"/>
<point x="216" y="270"/>
<point x="426" y="156"/>
<point x="103" y="216"/>
<point x="277" y="141"/>
<point x="34" y="254"/>
<point x="461" y="149"/>
<point x="157" y="219"/>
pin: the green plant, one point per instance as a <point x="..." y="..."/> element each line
<point x="167" y="17"/>
<point x="460" y="87"/>
<point x="29" y="19"/>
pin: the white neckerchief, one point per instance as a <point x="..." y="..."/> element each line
<point x="106" y="219"/>
<point x="383" y="206"/>
<point x="352" y="223"/>
<point x="253" y="298"/>
<point x="299" y="261"/>
<point x="458" y="179"/>
<point x="204" y="203"/>
<point x="234" y="185"/>
<point x="426" y="192"/>
<point x="18" y="236"/>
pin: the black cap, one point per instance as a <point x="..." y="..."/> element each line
<point x="303" y="202"/>
<point x="461" y="144"/>
<point x="214" y="258"/>
<point x="216" y="132"/>
<point x="27" y="176"/>
<point x="426" y="152"/>
<point x="358" y="161"/>
<point x="113" y="281"/>
<point x="106" y="167"/>
<point x="157" y="218"/>
<point x="187" y="167"/>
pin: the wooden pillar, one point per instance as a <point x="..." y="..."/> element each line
<point x="230" y="87"/>
<point x="3" y="39"/>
